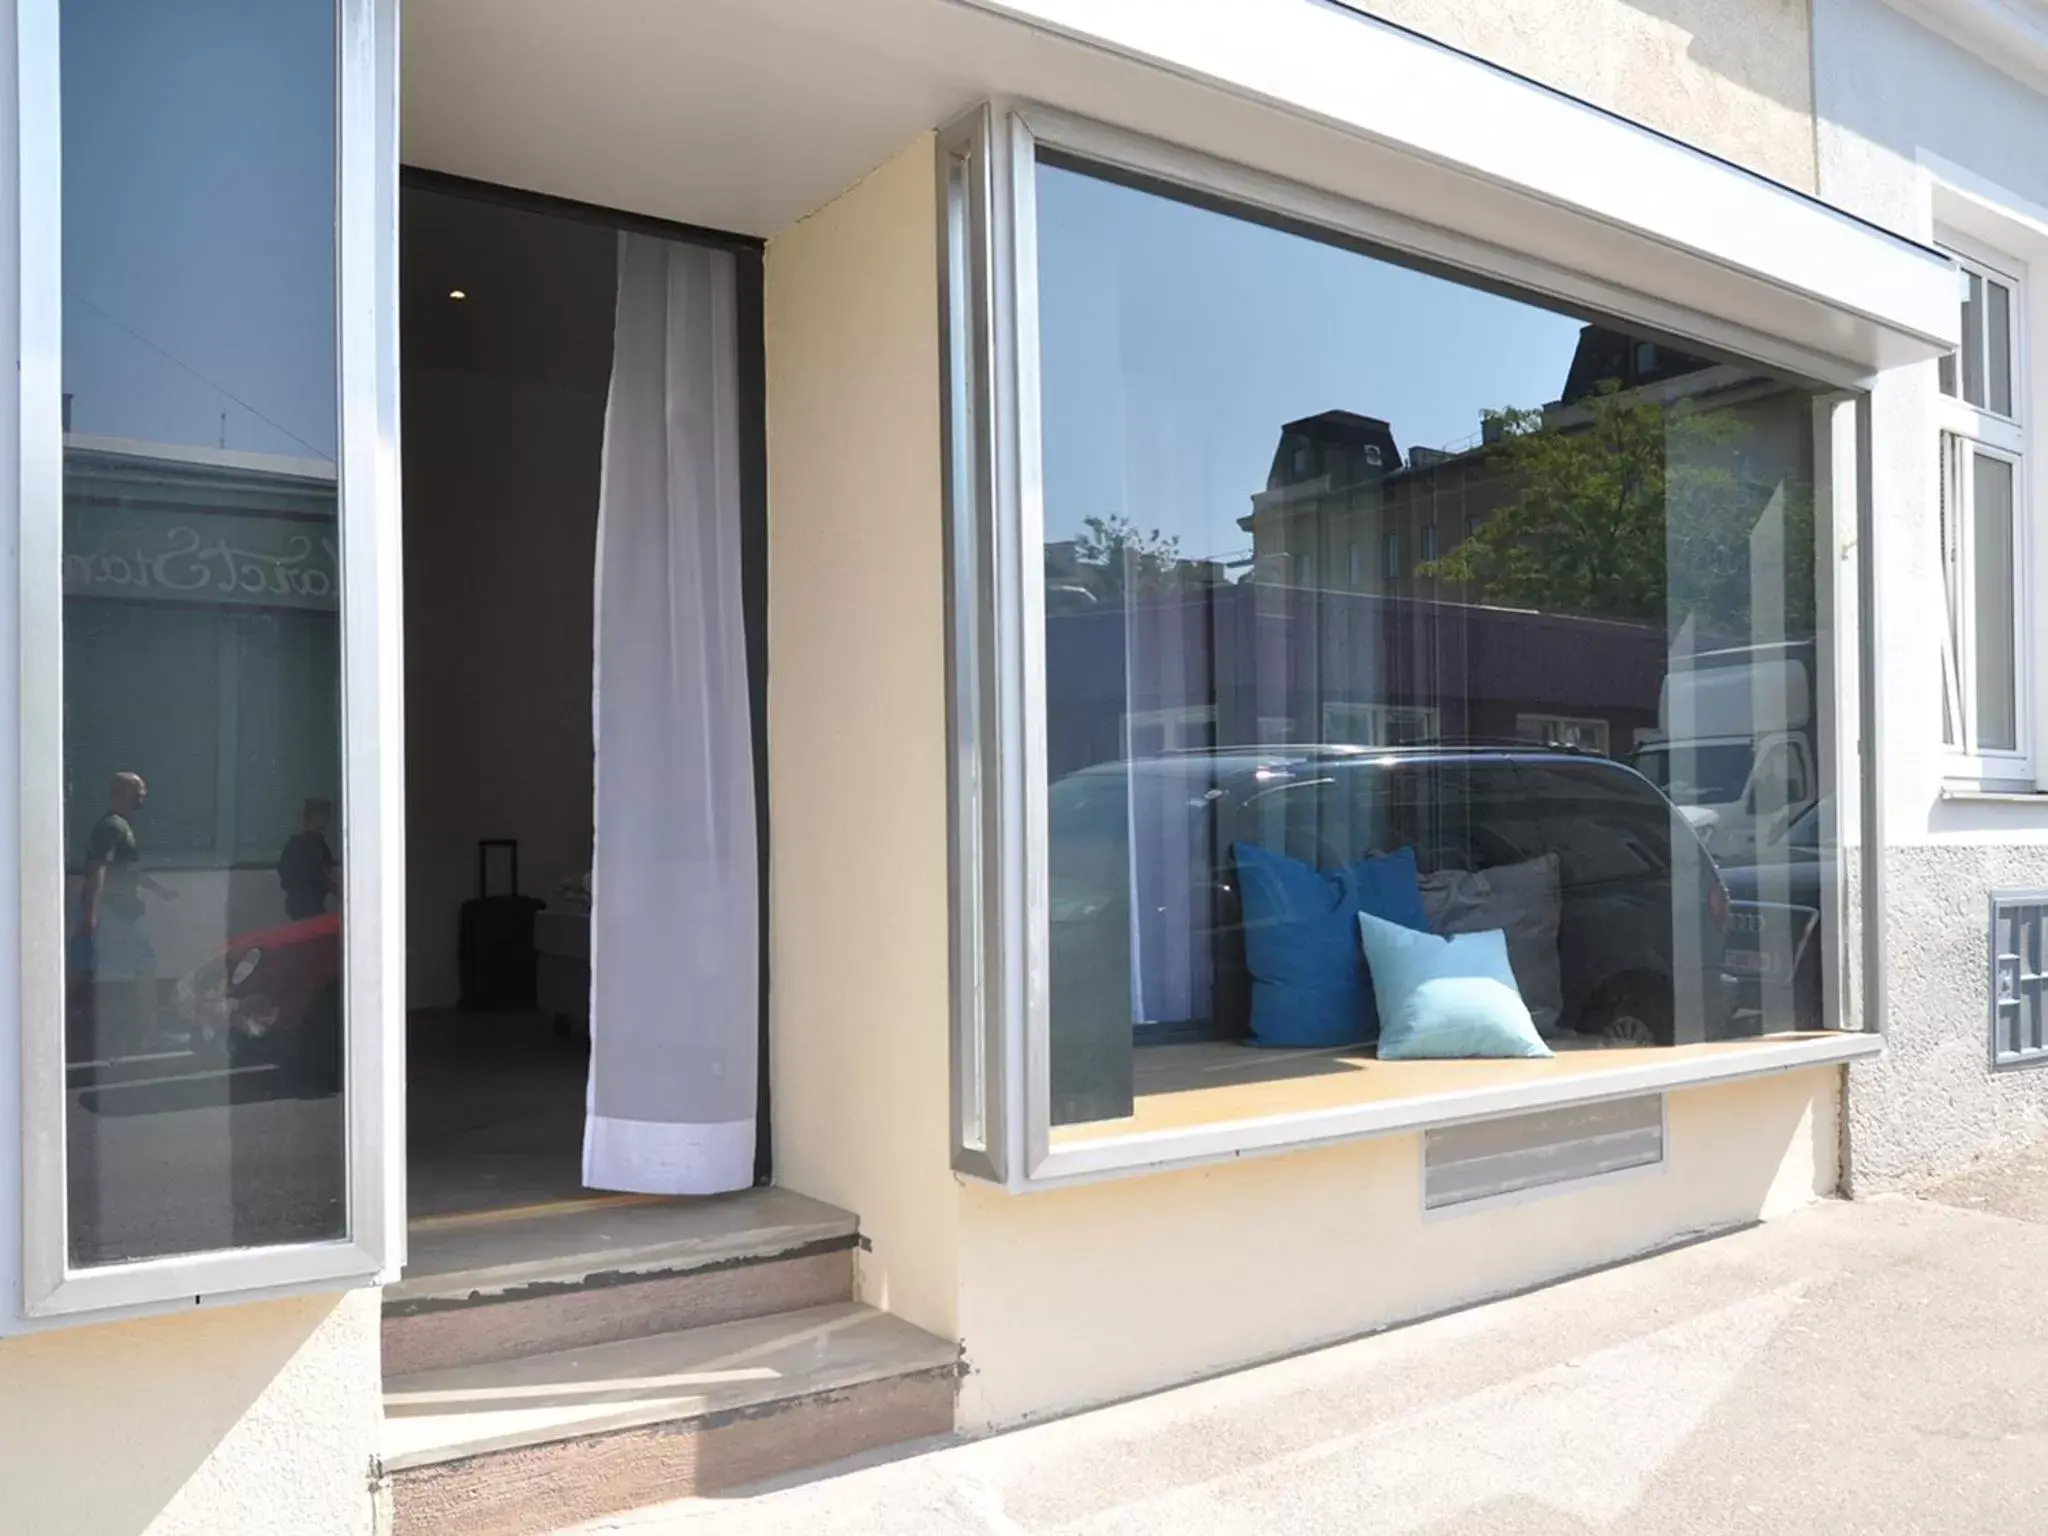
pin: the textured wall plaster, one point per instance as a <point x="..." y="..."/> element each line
<point x="1931" y="1103"/>
<point x="1732" y="78"/>
<point x="253" y="1420"/>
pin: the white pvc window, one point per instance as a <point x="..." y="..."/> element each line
<point x="1985" y="533"/>
<point x="209" y="816"/>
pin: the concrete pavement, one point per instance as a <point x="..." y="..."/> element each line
<point x="1877" y="1367"/>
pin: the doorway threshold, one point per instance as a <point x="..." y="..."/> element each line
<point x="496" y="1256"/>
<point x="494" y="1287"/>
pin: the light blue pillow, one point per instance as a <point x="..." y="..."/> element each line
<point x="1445" y="997"/>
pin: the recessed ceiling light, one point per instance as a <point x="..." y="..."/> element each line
<point x="457" y="293"/>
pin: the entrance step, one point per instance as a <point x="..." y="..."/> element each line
<point x="538" y="1443"/>
<point x="487" y="1288"/>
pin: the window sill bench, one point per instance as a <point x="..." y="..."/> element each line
<point x="1218" y="1102"/>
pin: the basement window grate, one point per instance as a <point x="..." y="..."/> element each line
<point x="1488" y="1160"/>
<point x="2019" y="978"/>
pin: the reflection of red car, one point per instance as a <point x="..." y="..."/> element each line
<point x="278" y="984"/>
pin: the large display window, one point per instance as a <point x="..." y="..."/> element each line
<point x="1377" y="685"/>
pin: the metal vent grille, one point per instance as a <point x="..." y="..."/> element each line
<point x="2019" y="978"/>
<point x="1490" y="1159"/>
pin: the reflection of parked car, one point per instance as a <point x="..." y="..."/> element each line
<point x="272" y="995"/>
<point x="1145" y="844"/>
<point x="1774" y="938"/>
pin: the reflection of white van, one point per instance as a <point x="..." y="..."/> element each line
<point x="1734" y="746"/>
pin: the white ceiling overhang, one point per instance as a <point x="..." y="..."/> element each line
<point x="746" y="115"/>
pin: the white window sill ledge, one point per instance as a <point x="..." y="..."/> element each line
<point x="1078" y="1162"/>
<point x="1970" y="794"/>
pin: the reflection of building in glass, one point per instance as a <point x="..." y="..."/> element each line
<point x="1694" y="478"/>
<point x="1252" y="663"/>
<point x="1344" y="508"/>
<point x="1651" y="503"/>
<point x="202" y="645"/>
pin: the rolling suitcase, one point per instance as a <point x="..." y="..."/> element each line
<point x="494" y="948"/>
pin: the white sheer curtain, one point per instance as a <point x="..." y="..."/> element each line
<point x="674" y="946"/>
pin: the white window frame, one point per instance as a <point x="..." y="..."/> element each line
<point x="1173" y="724"/>
<point x="51" y="1290"/>
<point x="1965" y="431"/>
<point x="1342" y="723"/>
<point x="986" y="184"/>
<point x="1545" y="730"/>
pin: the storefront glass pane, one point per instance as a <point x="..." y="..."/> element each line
<point x="1997" y="704"/>
<point x="1571" y="762"/>
<point x="202" y="667"/>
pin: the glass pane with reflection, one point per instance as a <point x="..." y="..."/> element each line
<point x="202" y="670"/>
<point x="1503" y="627"/>
<point x="1991" y="482"/>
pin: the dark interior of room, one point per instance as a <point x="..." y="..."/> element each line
<point x="507" y="318"/>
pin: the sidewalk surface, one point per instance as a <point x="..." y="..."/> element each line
<point x="1877" y="1367"/>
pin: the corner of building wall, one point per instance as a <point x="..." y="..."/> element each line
<point x="1815" y="134"/>
<point x="1814" y="1163"/>
<point x="1847" y="1184"/>
<point x="859" y="1042"/>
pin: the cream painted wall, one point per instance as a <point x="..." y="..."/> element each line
<point x="1079" y="1296"/>
<point x="859" y="1001"/>
<point x="240" y="1421"/>
<point x="1733" y="78"/>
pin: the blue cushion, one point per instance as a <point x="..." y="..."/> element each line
<point x="1301" y="942"/>
<point x="1446" y="996"/>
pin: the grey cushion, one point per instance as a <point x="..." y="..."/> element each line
<point x="1523" y="901"/>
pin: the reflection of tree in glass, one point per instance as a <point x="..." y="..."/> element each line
<point x="1636" y="511"/>
<point x="1111" y="558"/>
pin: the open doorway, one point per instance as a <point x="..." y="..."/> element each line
<point x="585" y="560"/>
<point x="508" y="321"/>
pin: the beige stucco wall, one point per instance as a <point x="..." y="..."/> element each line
<point x="856" y="719"/>
<point x="238" y="1421"/>
<point x="1083" y="1295"/>
<point x="1734" y="77"/>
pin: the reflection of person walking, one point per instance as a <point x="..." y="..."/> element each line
<point x="307" y="868"/>
<point x="117" y="956"/>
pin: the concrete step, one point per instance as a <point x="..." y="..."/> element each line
<point x="540" y="1443"/>
<point x="484" y="1289"/>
